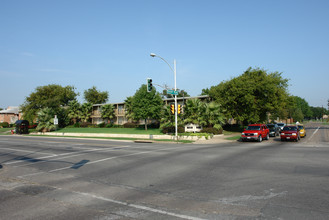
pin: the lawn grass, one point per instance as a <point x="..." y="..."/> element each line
<point x="152" y="131"/>
<point x="6" y="130"/>
<point x="233" y="138"/>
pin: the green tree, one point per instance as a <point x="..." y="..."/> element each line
<point x="168" y="119"/>
<point x="146" y="105"/>
<point x="303" y="105"/>
<point x="86" y="110"/>
<point x="74" y="111"/>
<point x="193" y="112"/>
<point x="213" y="115"/>
<point x="51" y="96"/>
<point x="94" y="96"/>
<point x="107" y="112"/>
<point x="205" y="91"/>
<point x="252" y="96"/>
<point x="46" y="120"/>
<point x="128" y="107"/>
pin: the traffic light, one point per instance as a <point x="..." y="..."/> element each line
<point x="172" y="109"/>
<point x="179" y="109"/>
<point x="149" y="84"/>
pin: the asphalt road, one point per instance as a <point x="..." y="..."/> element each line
<point x="56" y="178"/>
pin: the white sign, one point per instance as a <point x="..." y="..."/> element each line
<point x="55" y="121"/>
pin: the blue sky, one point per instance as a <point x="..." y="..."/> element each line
<point x="107" y="44"/>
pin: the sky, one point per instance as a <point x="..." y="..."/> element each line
<point x="107" y="44"/>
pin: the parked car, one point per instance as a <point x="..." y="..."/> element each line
<point x="274" y="130"/>
<point x="302" y="130"/>
<point x="281" y="125"/>
<point x="290" y="133"/>
<point x="256" y="132"/>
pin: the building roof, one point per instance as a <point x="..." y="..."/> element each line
<point x="10" y="110"/>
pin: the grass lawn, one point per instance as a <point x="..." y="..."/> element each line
<point x="237" y="137"/>
<point x="6" y="130"/>
<point x="111" y="130"/>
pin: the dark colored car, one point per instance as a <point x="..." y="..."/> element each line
<point x="274" y="130"/>
<point x="290" y="133"/>
<point x="256" y="132"/>
<point x="281" y="125"/>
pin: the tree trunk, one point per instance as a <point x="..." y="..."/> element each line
<point x="145" y="124"/>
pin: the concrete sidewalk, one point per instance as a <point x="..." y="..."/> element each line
<point x="216" y="139"/>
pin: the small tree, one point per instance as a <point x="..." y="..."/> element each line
<point x="193" y="111"/>
<point x="107" y="112"/>
<point x="86" y="110"/>
<point x="146" y="105"/>
<point x="46" y="120"/>
<point x="74" y="111"/>
<point x="213" y="116"/>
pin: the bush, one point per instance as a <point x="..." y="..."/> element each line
<point x="85" y="124"/>
<point x="130" y="125"/>
<point x="110" y="125"/>
<point x="234" y="127"/>
<point x="154" y="125"/>
<point x="212" y="131"/>
<point x="101" y="125"/>
<point x="4" y="125"/>
<point x="171" y="129"/>
<point x="117" y="126"/>
<point x="76" y="125"/>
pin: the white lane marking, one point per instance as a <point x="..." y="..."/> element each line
<point x="63" y="154"/>
<point x="109" y="158"/>
<point x="39" y="158"/>
<point x="141" y="207"/>
<point x="314" y="133"/>
<point x="74" y="155"/>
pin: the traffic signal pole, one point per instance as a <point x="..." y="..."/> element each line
<point x="176" y="128"/>
<point x="174" y="70"/>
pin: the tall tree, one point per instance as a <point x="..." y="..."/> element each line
<point x="51" y="96"/>
<point x="146" y="105"/>
<point x="94" y="96"/>
<point x="251" y="96"/>
<point x="107" y="112"/>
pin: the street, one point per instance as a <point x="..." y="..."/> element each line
<point x="63" y="178"/>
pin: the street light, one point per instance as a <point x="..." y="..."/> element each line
<point x="175" y="89"/>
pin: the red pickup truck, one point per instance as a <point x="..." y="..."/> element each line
<point x="256" y="132"/>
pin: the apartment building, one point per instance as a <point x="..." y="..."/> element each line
<point x="120" y="112"/>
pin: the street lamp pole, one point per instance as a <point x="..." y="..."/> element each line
<point x="175" y="89"/>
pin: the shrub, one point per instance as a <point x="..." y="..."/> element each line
<point x="76" y="125"/>
<point x="212" y="131"/>
<point x="110" y="125"/>
<point x="85" y="124"/>
<point x="233" y="127"/>
<point x="101" y="125"/>
<point x="117" y="126"/>
<point x="4" y="125"/>
<point x="171" y="129"/>
<point x="154" y="125"/>
<point x="130" y="125"/>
